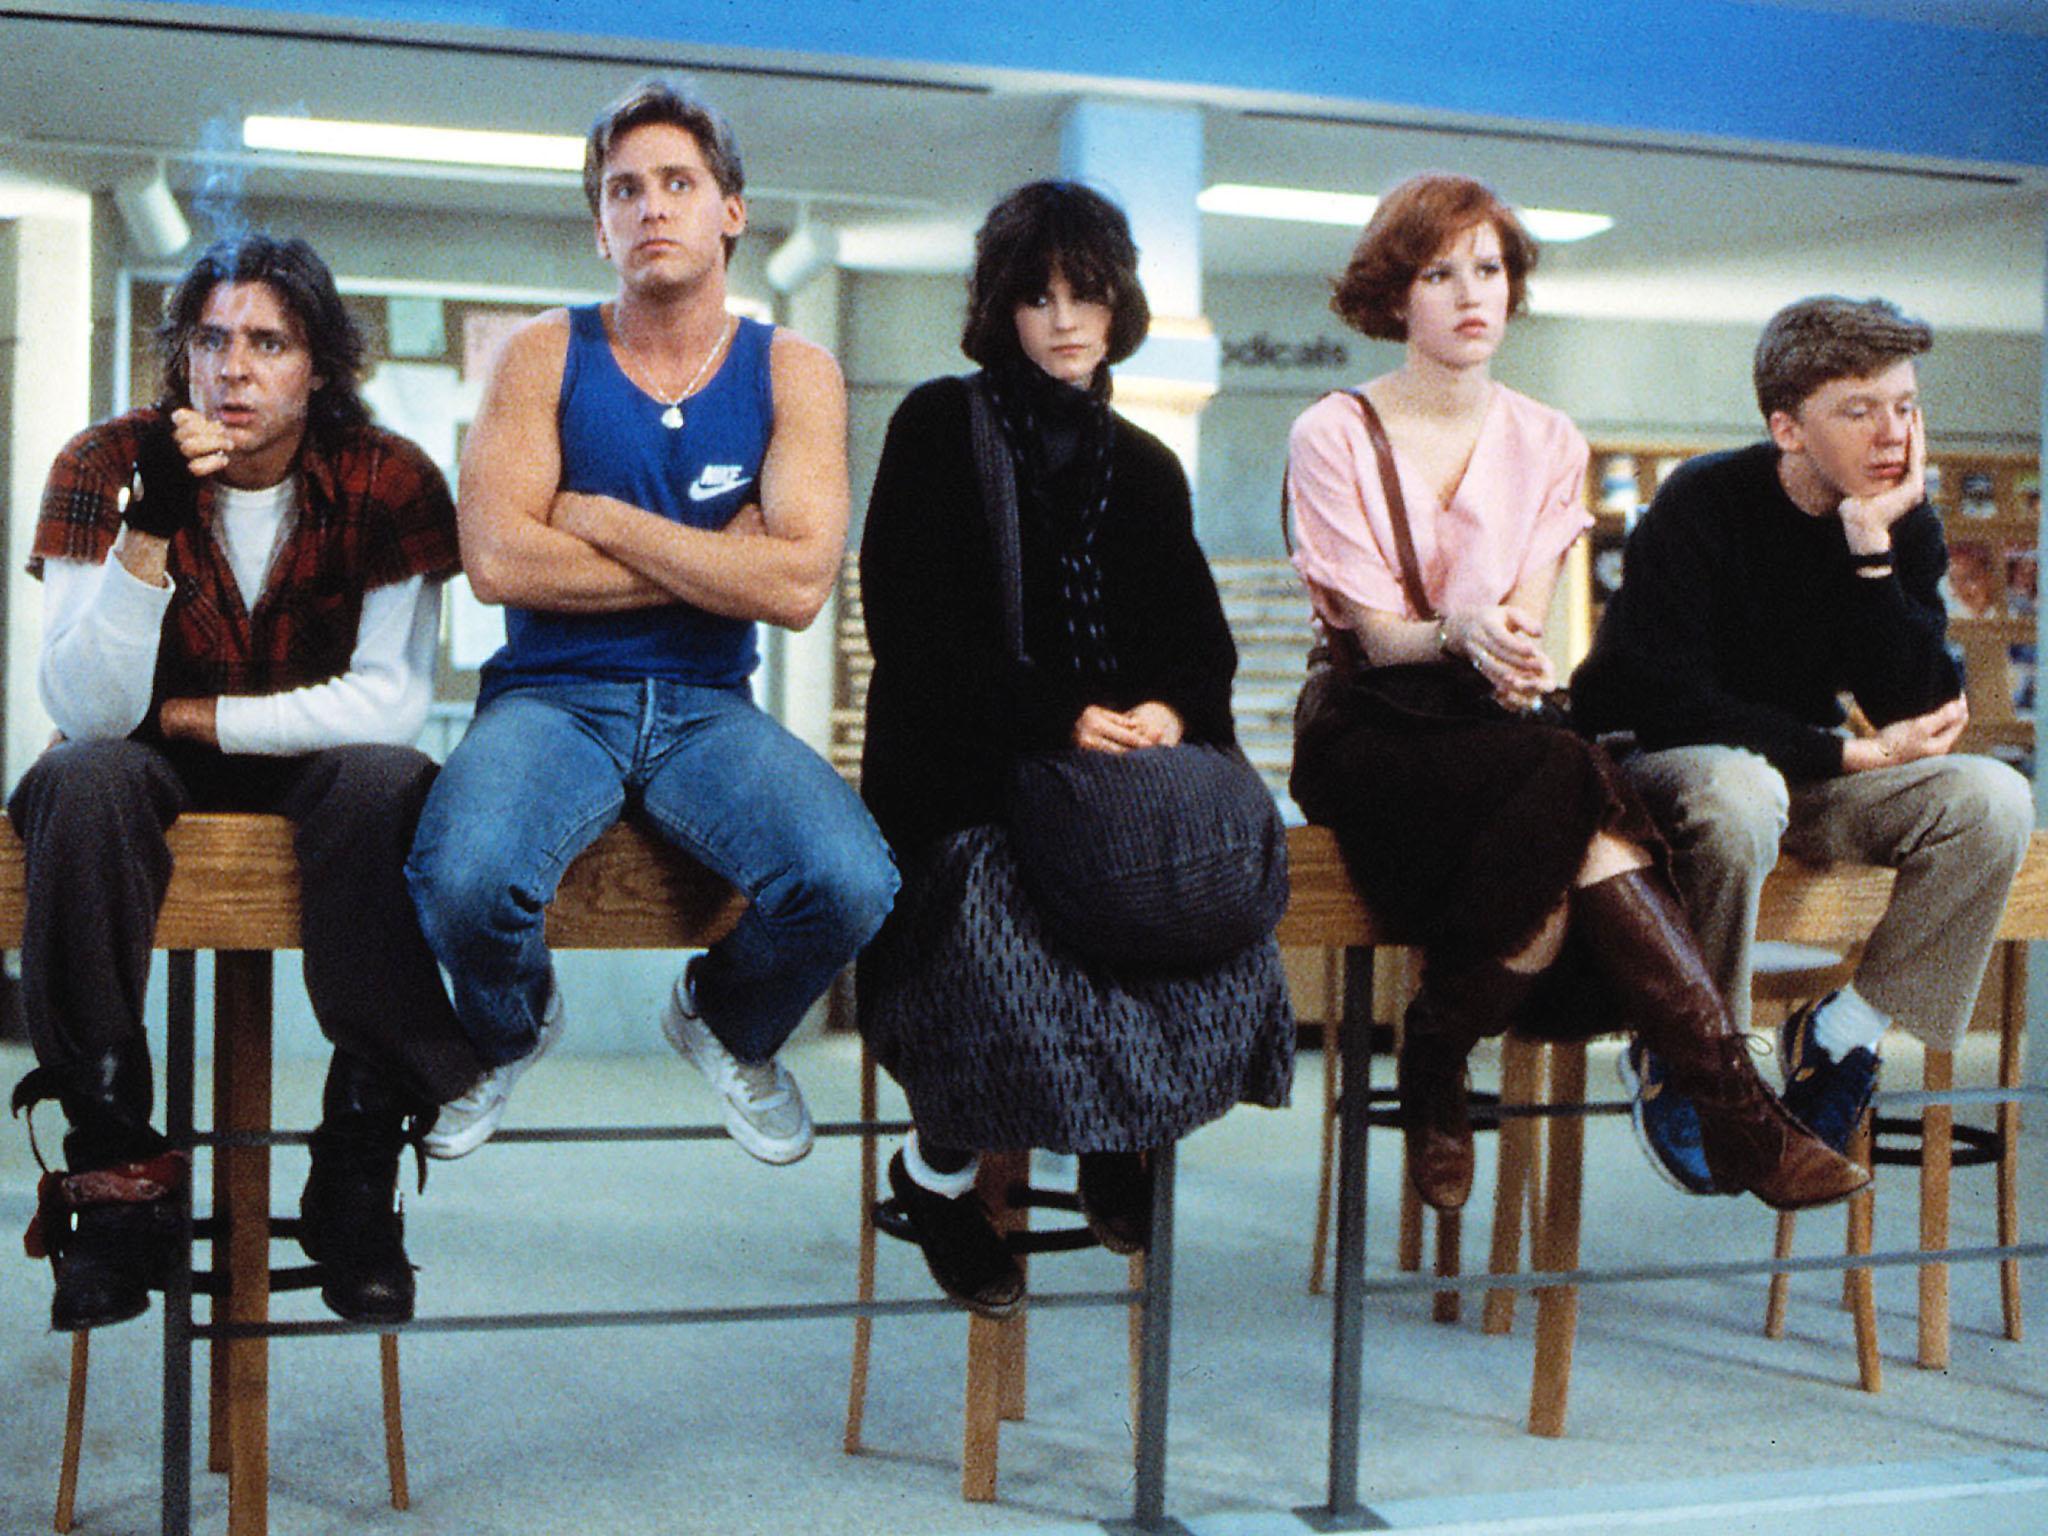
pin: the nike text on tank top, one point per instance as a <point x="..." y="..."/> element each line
<point x="613" y="444"/>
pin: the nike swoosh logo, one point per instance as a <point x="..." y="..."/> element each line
<point x="717" y="480"/>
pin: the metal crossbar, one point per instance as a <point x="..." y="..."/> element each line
<point x="1718" y="1269"/>
<point x="654" y="1317"/>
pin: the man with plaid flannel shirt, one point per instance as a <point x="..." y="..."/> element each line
<point x="241" y="608"/>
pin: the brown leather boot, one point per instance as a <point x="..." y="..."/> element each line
<point x="1640" y="940"/>
<point x="1460" y="1003"/>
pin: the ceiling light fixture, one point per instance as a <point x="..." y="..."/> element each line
<point x="406" y="141"/>
<point x="1352" y="209"/>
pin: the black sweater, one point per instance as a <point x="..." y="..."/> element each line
<point x="1740" y="619"/>
<point x="948" y="710"/>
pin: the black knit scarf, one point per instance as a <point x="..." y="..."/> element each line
<point x="1060" y="439"/>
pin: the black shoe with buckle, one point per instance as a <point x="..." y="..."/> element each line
<point x="962" y="1248"/>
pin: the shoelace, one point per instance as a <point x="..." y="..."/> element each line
<point x="763" y="1084"/>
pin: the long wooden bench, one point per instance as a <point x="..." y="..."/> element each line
<point x="234" y="891"/>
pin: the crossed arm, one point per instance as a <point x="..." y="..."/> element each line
<point x="528" y="542"/>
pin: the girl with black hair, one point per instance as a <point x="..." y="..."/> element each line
<point x="1001" y="1037"/>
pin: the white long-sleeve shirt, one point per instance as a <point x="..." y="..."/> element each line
<point x="101" y="626"/>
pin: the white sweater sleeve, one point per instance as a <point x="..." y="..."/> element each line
<point x="382" y="697"/>
<point x="100" y="632"/>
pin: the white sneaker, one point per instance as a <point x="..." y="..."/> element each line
<point x="764" y="1108"/>
<point x="466" y="1123"/>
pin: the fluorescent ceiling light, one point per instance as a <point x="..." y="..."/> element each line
<point x="405" y="141"/>
<point x="1352" y="209"/>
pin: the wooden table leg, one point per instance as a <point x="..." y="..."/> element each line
<point x="1858" y="1290"/>
<point x="1557" y="1248"/>
<point x="1520" y="1061"/>
<point x="241" y="1003"/>
<point x="1937" y="1122"/>
<point x="864" y="1283"/>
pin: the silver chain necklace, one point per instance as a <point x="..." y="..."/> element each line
<point x="672" y="416"/>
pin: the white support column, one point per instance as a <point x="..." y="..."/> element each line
<point x="1149" y="159"/>
<point x="45" y="397"/>
<point x="801" y="691"/>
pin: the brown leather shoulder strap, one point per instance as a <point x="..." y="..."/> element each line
<point x="1397" y="508"/>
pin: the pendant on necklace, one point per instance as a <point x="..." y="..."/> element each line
<point x="672" y="418"/>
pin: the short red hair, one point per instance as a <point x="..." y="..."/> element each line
<point x="1409" y="227"/>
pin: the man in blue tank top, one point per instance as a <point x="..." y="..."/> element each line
<point x="647" y="480"/>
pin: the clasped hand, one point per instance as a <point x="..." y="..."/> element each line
<point x="1505" y="645"/>
<point x="1933" y="734"/>
<point x="1150" y="724"/>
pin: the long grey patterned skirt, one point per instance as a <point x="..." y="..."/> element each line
<point x="1003" y="1041"/>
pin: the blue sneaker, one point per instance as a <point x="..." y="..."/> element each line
<point x="1667" y="1122"/>
<point x="1826" y="1096"/>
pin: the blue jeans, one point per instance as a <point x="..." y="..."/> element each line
<point x="545" y="768"/>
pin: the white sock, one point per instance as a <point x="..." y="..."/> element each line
<point x="1846" y="1021"/>
<point x="950" y="1185"/>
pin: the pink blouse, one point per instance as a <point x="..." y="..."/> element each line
<point x="1518" y="509"/>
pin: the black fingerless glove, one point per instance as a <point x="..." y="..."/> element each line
<point x="164" y="496"/>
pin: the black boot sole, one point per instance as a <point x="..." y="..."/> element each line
<point x="85" y="1323"/>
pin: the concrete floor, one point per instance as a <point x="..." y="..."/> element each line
<point x="1683" y="1418"/>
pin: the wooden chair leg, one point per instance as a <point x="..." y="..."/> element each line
<point x="2012" y="1026"/>
<point x="1937" y="1123"/>
<point x="1016" y="1329"/>
<point x="1519" y="1063"/>
<point x="394" y="1421"/>
<point x="74" y="1428"/>
<point x="1408" y="1243"/>
<point x="995" y="1350"/>
<point x="864" y="1283"/>
<point x="1859" y="1287"/>
<point x="985" y="1355"/>
<point x="1557" y="1244"/>
<point x="1781" y="1283"/>
<point x="1450" y="1232"/>
<point x="1326" y="1166"/>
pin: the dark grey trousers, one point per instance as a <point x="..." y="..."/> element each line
<point x="92" y="815"/>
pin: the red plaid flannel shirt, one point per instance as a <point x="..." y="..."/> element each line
<point x="372" y="511"/>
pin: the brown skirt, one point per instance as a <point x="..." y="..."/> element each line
<point x="1461" y="824"/>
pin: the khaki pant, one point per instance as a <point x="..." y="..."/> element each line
<point x="1955" y="828"/>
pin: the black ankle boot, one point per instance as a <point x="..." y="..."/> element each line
<point x="349" y="1220"/>
<point x="113" y="1257"/>
<point x="111" y="1223"/>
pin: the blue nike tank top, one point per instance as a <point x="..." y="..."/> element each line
<point x="613" y="444"/>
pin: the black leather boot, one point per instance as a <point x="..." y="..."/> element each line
<point x="1461" y="1002"/>
<point x="1645" y="951"/>
<point x="350" y="1223"/>
<point x="111" y="1221"/>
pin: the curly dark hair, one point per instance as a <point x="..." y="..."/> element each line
<point x="295" y="273"/>
<point x="655" y="100"/>
<point x="1411" y="224"/>
<point x="1814" y="341"/>
<point x="1039" y="227"/>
